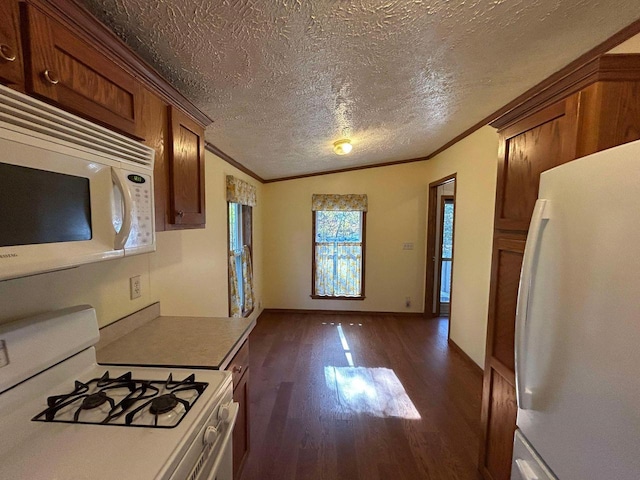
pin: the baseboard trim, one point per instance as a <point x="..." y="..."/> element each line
<point x="342" y="312"/>
<point x="467" y="358"/>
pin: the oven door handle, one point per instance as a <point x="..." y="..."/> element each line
<point x="234" y="407"/>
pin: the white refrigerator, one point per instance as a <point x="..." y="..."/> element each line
<point x="578" y="324"/>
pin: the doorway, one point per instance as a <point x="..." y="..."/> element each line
<point x="440" y="240"/>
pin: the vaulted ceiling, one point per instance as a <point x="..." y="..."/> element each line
<point x="284" y="79"/>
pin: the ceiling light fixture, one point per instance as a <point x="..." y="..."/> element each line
<point x="342" y="147"/>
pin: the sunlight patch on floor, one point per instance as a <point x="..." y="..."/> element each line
<point x="373" y="391"/>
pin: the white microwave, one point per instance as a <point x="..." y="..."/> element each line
<point x="71" y="192"/>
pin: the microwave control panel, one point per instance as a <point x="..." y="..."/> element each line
<point x="142" y="233"/>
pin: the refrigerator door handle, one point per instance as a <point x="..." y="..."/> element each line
<point x="540" y="214"/>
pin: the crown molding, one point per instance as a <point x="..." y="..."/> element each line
<point x="231" y="161"/>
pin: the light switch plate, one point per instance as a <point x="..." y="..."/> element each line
<point x="407" y="246"/>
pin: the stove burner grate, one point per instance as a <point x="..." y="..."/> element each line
<point x="155" y="396"/>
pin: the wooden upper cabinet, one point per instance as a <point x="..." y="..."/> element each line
<point x="11" y="68"/>
<point x="64" y="69"/>
<point x="528" y="148"/>
<point x="186" y="170"/>
<point x="609" y="113"/>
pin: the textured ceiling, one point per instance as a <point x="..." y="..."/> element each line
<point x="284" y="79"/>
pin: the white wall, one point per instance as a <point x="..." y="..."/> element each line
<point x="189" y="270"/>
<point x="397" y="214"/>
<point x="187" y="273"/>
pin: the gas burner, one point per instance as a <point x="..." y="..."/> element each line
<point x="163" y="404"/>
<point x="125" y="401"/>
<point x="168" y="401"/>
<point x="94" y="400"/>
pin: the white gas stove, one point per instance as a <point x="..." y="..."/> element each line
<point x="63" y="416"/>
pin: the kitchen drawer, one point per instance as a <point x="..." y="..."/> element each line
<point x="240" y="364"/>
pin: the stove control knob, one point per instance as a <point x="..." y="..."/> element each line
<point x="224" y="412"/>
<point x="210" y="435"/>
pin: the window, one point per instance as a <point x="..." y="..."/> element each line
<point x="240" y="197"/>
<point x="240" y="240"/>
<point x="446" y="248"/>
<point x="338" y="266"/>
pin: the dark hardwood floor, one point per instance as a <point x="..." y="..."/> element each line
<point x="360" y="397"/>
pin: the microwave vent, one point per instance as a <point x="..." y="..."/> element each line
<point x="37" y="118"/>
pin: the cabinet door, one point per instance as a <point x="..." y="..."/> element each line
<point x="239" y="368"/>
<point x="241" y="429"/>
<point x="498" y="398"/>
<point x="11" y="71"/>
<point x="76" y="76"/>
<point x="499" y="418"/>
<point x="186" y="171"/>
<point x="528" y="148"/>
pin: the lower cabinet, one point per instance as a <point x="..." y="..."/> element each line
<point x="239" y="368"/>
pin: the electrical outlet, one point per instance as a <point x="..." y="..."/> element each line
<point x="135" y="287"/>
<point x="407" y="246"/>
<point x="407" y="302"/>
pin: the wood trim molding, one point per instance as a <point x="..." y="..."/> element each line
<point x="431" y="244"/>
<point x="75" y="16"/>
<point x="619" y="67"/>
<point x="230" y="160"/>
<point x="474" y="366"/>
<point x="350" y="169"/>
<point x="341" y="312"/>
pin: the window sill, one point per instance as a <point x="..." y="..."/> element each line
<point x="326" y="297"/>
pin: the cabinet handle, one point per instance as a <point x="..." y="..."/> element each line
<point x="50" y="77"/>
<point x="237" y="369"/>
<point x="7" y="53"/>
<point x="181" y="213"/>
